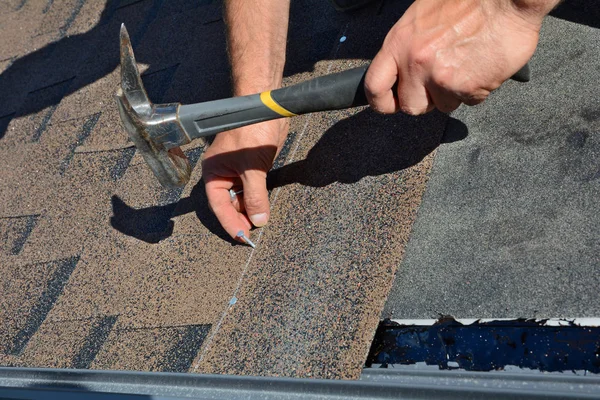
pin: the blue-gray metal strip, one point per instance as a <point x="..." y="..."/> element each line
<point x="413" y="383"/>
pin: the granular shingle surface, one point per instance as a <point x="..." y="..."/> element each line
<point x="103" y="268"/>
<point x="509" y="226"/>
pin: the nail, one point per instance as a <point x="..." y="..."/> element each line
<point x="241" y="235"/>
<point x="259" y="219"/>
<point x="233" y="194"/>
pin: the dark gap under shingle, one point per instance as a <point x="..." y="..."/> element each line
<point x="213" y="21"/>
<point x="18" y="229"/>
<point x="21" y="5"/>
<point x="50" y="86"/>
<point x="38" y="313"/>
<point x="10" y="60"/>
<point x="86" y="130"/>
<point x="44" y="124"/>
<point x="30" y="223"/>
<point x="285" y="150"/>
<point x="194" y="155"/>
<point x="126" y="3"/>
<point x="180" y="357"/>
<point x="76" y="10"/>
<point x="169" y="196"/>
<point x="50" y="94"/>
<point x="48" y="5"/>
<point x="120" y="167"/>
<point x="94" y="342"/>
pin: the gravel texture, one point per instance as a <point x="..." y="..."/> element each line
<point x="103" y="268"/>
<point x="509" y="224"/>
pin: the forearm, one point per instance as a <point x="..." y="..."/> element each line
<point x="257" y="36"/>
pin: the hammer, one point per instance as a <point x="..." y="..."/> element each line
<point x="158" y="130"/>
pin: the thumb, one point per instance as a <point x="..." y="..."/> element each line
<point x="380" y="84"/>
<point x="256" y="197"/>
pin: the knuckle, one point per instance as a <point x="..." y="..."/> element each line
<point x="386" y="110"/>
<point x="476" y="97"/>
<point x="443" y="78"/>
<point x="373" y="85"/>
<point x="379" y="107"/>
<point x="469" y="89"/>
<point x="411" y="110"/>
<point x="420" y="57"/>
<point x="253" y="202"/>
<point x="473" y="101"/>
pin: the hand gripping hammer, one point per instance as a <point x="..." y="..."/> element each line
<point x="158" y="130"/>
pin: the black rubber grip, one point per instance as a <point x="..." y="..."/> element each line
<point x="330" y="92"/>
<point x="338" y="91"/>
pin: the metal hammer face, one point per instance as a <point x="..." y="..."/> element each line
<point x="154" y="128"/>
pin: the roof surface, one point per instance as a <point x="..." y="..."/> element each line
<point x="102" y="268"/>
<point x="510" y="223"/>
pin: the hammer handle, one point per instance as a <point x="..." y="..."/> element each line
<point x="330" y="92"/>
<point x="337" y="91"/>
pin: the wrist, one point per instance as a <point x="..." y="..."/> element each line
<point x="252" y="85"/>
<point x="251" y="75"/>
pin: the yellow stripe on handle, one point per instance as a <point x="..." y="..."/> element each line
<point x="268" y="101"/>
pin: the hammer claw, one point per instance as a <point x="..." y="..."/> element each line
<point x="131" y="81"/>
<point x="153" y="128"/>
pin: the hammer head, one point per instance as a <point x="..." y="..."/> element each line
<point x="154" y="128"/>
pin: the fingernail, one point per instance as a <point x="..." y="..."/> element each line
<point x="259" y="219"/>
